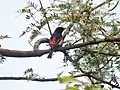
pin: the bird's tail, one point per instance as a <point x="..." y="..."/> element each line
<point x="50" y="54"/>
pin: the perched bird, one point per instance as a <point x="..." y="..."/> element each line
<point x="55" y="40"/>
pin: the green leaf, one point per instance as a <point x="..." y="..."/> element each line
<point x="92" y="87"/>
<point x="66" y="79"/>
<point x="73" y="87"/>
<point x="23" y="10"/>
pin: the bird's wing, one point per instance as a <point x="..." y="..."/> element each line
<point x="52" y="42"/>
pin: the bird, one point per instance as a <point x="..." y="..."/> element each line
<point x="55" y="40"/>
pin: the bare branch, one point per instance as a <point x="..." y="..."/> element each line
<point x="36" y="79"/>
<point x="18" y="53"/>
<point x="38" y="42"/>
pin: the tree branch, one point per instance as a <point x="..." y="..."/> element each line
<point x="56" y="79"/>
<point x="36" y="79"/>
<point x="89" y="43"/>
<point x="101" y="52"/>
<point x="38" y="42"/>
<point x="16" y="53"/>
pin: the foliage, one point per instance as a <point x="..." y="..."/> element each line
<point x="92" y="87"/>
<point x="29" y="73"/>
<point x="66" y="79"/>
<point x="3" y="37"/>
<point x="91" y="23"/>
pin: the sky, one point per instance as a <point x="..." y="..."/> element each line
<point x="12" y="25"/>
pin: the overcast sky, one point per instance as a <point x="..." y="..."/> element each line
<point x="11" y="24"/>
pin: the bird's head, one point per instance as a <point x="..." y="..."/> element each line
<point x="59" y="29"/>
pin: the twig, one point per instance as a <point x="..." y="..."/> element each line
<point x="30" y="43"/>
<point x="105" y="2"/>
<point x="105" y="64"/>
<point x="45" y="17"/>
<point x="77" y="41"/>
<point x="71" y="60"/>
<point x="112" y="85"/>
<point x="114" y="6"/>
